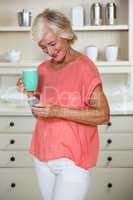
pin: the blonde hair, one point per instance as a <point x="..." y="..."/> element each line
<point x="56" y="22"/>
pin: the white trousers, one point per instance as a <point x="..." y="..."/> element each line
<point x="61" y="179"/>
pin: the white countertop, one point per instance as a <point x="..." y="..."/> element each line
<point x="25" y="111"/>
<point x="121" y="112"/>
<point x="8" y="111"/>
<point x="12" y="109"/>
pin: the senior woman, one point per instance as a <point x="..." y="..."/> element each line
<point x="65" y="142"/>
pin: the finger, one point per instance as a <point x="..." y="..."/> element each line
<point x="30" y="93"/>
<point x="34" y="114"/>
<point x="20" y="79"/>
<point x="40" y="115"/>
<point x="41" y="112"/>
<point x="35" y="93"/>
<point x="36" y="110"/>
<point x="20" y="88"/>
<point x="39" y="105"/>
<point x="19" y="83"/>
<point x="27" y="92"/>
<point x="40" y="109"/>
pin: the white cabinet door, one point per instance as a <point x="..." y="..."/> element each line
<point x="115" y="159"/>
<point x="12" y="141"/>
<point x="17" y="124"/>
<point x="15" y="159"/>
<point x="19" y="184"/>
<point x="119" y="124"/>
<point x="116" y="141"/>
<point x="111" y="184"/>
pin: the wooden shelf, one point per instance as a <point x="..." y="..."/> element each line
<point x="28" y="63"/>
<point x="14" y="28"/>
<point x="102" y="70"/>
<point x="8" y="68"/>
<point x="119" y="67"/>
<point x="114" y="70"/>
<point x="75" y="28"/>
<point x="119" y="63"/>
<point x="23" y="64"/>
<point x="101" y="28"/>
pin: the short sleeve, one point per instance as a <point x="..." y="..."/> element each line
<point x="90" y="80"/>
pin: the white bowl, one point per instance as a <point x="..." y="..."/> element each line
<point x="12" y="55"/>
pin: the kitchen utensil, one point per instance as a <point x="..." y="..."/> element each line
<point x="111" y="53"/>
<point x="12" y="55"/>
<point x="92" y="52"/>
<point x="12" y="97"/>
<point x="96" y="14"/>
<point x="78" y="16"/>
<point x="30" y="79"/>
<point x="24" y="18"/>
<point x="111" y="13"/>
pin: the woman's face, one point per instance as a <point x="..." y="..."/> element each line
<point x="55" y="47"/>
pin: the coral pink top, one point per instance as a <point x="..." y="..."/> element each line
<point x="70" y="86"/>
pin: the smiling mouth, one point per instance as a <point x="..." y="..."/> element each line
<point x="55" y="55"/>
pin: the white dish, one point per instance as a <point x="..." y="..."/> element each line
<point x="12" y="55"/>
<point x="12" y="96"/>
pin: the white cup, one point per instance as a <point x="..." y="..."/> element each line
<point x="111" y="53"/>
<point x="92" y="52"/>
<point x="78" y="16"/>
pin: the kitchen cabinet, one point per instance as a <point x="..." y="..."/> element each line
<point x="18" y="178"/>
<point x="111" y="179"/>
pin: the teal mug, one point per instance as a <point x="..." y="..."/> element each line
<point x="30" y="79"/>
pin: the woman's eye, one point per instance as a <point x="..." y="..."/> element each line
<point x="53" y="44"/>
<point x="44" y="48"/>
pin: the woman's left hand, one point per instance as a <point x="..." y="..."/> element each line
<point x="47" y="110"/>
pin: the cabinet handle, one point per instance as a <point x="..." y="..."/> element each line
<point x="109" y="124"/>
<point x="109" y="158"/>
<point x="109" y="141"/>
<point x="12" y="124"/>
<point x="13" y="185"/>
<point x="12" y="141"/>
<point x="12" y="158"/>
<point x="109" y="185"/>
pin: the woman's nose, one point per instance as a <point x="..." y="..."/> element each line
<point x="51" y="50"/>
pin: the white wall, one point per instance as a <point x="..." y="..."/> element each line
<point x="30" y="51"/>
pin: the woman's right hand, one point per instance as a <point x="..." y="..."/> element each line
<point x="21" y="88"/>
<point x="20" y="85"/>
